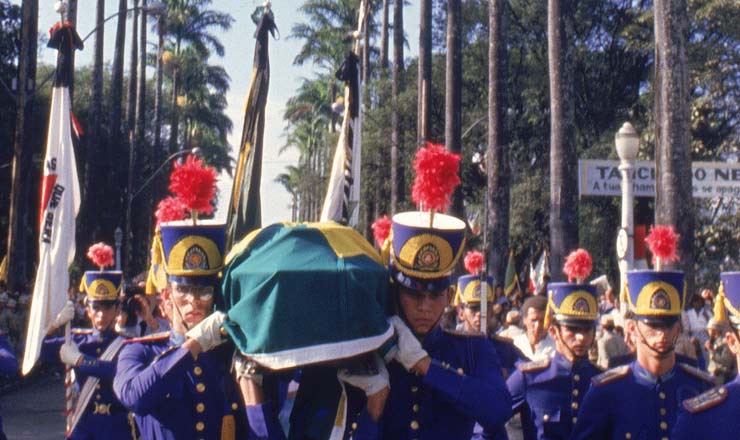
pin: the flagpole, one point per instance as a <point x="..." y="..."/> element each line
<point x="68" y="383"/>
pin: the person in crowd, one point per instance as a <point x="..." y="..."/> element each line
<point x="610" y="344"/>
<point x="136" y="317"/>
<point x="535" y="343"/>
<point x="92" y="354"/>
<point x="721" y="360"/>
<point x="695" y="320"/>
<point x="641" y="399"/>
<point x="511" y="328"/>
<point x="713" y="414"/>
<point x="4" y="314"/>
<point x="548" y="392"/>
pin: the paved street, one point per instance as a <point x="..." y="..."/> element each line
<point x="35" y="411"/>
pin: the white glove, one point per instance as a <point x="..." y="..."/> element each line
<point x="370" y="384"/>
<point x="246" y="368"/>
<point x="70" y="354"/>
<point x="64" y="316"/>
<point x="409" y="348"/>
<point x="208" y="331"/>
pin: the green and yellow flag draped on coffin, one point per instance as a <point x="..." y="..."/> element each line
<point x="300" y="294"/>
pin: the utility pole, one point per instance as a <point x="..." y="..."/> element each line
<point x="21" y="169"/>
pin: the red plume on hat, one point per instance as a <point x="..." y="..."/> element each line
<point x="436" y="177"/>
<point x="474" y="262"/>
<point x="577" y="266"/>
<point x="101" y="255"/>
<point x="381" y="229"/>
<point x="195" y="185"/>
<point x="663" y="243"/>
<point x="170" y="209"/>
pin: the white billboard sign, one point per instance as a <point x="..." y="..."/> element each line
<point x="709" y="179"/>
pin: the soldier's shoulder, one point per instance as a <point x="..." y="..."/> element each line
<point x="81" y="331"/>
<point x="709" y="399"/>
<point x="502" y="339"/>
<point x="611" y="375"/>
<point x="462" y="334"/>
<point x="534" y="366"/>
<point x="150" y="339"/>
<point x="697" y="373"/>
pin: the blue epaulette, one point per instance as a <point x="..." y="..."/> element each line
<point x="706" y="400"/>
<point x="156" y="337"/>
<point x="697" y="373"/>
<point x="610" y="375"/>
<point x="530" y="367"/>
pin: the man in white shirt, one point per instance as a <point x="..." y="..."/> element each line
<point x="695" y="320"/>
<point x="535" y="343"/>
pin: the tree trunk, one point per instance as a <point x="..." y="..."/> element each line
<point x="563" y="172"/>
<point x="674" y="203"/>
<point x="116" y="186"/>
<point x="425" y="73"/>
<point x="497" y="165"/>
<point x="384" y="37"/>
<point x="19" y="220"/>
<point x="131" y="120"/>
<point x="453" y="94"/>
<point x="145" y="165"/>
<point x="397" y="189"/>
<point x="175" y="123"/>
<point x="90" y="227"/>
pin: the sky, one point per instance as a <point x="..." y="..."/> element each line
<point x="237" y="60"/>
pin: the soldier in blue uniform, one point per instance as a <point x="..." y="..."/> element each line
<point x="548" y="392"/>
<point x="641" y="400"/>
<point x="8" y="367"/>
<point x="714" y="414"/>
<point x="178" y="383"/>
<point x="441" y="383"/>
<point x="467" y="298"/>
<point x="92" y="354"/>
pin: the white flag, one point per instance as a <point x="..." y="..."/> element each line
<point x="60" y="203"/>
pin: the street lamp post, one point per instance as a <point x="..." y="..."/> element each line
<point x="118" y="238"/>
<point x="628" y="144"/>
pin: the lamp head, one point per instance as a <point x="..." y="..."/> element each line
<point x="627" y="141"/>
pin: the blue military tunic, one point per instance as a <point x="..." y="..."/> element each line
<point x="627" y="402"/>
<point x="549" y="393"/>
<point x="464" y="385"/>
<point x="175" y="396"/>
<point x="712" y="415"/>
<point x="105" y="417"/>
<point x="8" y="367"/>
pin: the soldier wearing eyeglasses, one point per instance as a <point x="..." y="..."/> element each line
<point x="641" y="400"/>
<point x="178" y="383"/>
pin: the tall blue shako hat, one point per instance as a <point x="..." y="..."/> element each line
<point x="424" y="246"/>
<point x="187" y="252"/>
<point x="573" y="303"/>
<point x="727" y="303"/>
<point x="657" y="296"/>
<point x="469" y="287"/>
<point x="101" y="285"/>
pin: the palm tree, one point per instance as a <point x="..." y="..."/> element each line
<point x="190" y="22"/>
<point x="672" y="128"/>
<point x="397" y="190"/>
<point x="497" y="188"/>
<point x="425" y="72"/>
<point x="563" y="175"/>
<point x="116" y="185"/>
<point x="453" y="93"/>
<point x="291" y="181"/>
